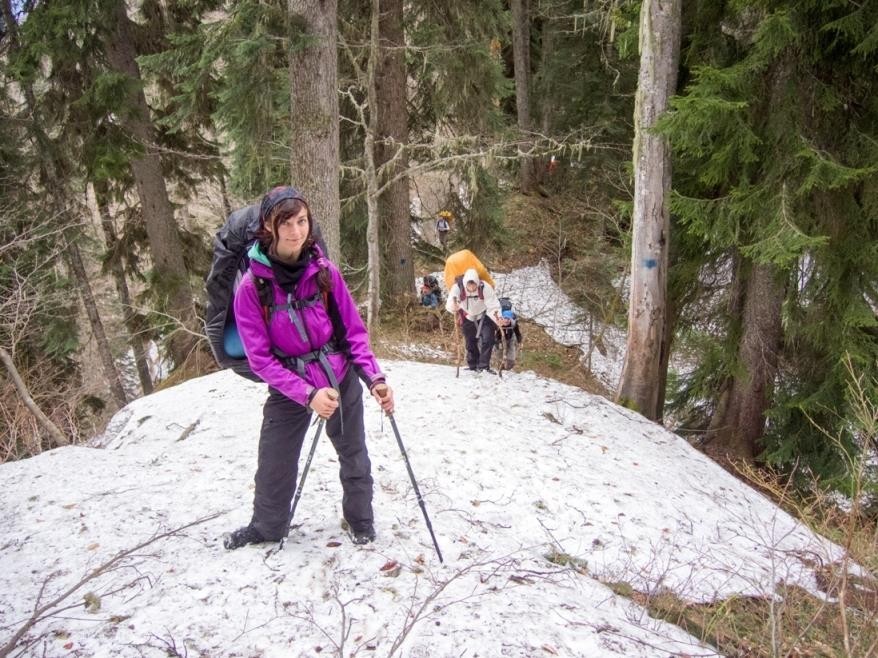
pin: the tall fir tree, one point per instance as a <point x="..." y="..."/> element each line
<point x="776" y="132"/>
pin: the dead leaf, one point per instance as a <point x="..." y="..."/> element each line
<point x="391" y="569"/>
<point x="333" y="544"/>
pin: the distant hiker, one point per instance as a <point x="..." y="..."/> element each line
<point x="304" y="337"/>
<point x="508" y="334"/>
<point x="431" y="293"/>
<point x="428" y="297"/>
<point x="443" y="227"/>
<point x="475" y="304"/>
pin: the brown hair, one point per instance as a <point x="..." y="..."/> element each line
<point x="268" y="232"/>
<point x="268" y="226"/>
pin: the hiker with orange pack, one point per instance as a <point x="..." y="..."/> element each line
<point x="471" y="298"/>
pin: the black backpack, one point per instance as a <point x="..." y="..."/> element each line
<point x="507" y="312"/>
<point x="433" y="284"/>
<point x="230" y="263"/>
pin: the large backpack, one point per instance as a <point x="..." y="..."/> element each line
<point x="459" y="262"/>
<point x="433" y="284"/>
<point x="230" y="263"/>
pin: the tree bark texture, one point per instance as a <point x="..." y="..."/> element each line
<point x="739" y="423"/>
<point x="58" y="437"/>
<point x="544" y="100"/>
<point x="314" y="132"/>
<point x="390" y="155"/>
<point x="521" y="62"/>
<point x="74" y="261"/>
<point x="373" y="227"/>
<point x="639" y="388"/>
<point x="129" y="317"/>
<point x="165" y="244"/>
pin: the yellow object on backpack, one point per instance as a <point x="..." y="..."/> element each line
<point x="459" y="262"/>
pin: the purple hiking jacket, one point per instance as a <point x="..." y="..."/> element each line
<point x="260" y="338"/>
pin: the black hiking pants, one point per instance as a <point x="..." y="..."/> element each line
<point x="284" y="426"/>
<point x="479" y="336"/>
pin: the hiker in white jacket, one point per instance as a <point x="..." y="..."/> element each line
<point x="477" y="311"/>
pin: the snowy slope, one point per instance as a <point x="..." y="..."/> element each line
<point x="511" y="470"/>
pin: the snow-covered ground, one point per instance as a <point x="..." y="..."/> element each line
<point x="512" y="470"/>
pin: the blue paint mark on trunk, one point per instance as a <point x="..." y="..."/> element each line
<point x="650" y="262"/>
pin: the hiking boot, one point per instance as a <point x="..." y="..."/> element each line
<point x="471" y="368"/>
<point x="364" y="536"/>
<point x="241" y="537"/>
<point x="488" y="370"/>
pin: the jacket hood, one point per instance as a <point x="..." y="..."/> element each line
<point x="255" y="253"/>
<point x="470" y="275"/>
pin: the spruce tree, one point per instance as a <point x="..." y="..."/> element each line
<point x="777" y="131"/>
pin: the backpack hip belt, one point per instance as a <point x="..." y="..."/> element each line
<point x="298" y="363"/>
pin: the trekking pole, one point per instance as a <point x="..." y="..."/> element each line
<point x="502" y="351"/>
<point x="334" y="396"/>
<point x="457" y="343"/>
<point x="381" y="390"/>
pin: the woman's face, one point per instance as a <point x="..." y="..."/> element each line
<point x="292" y="232"/>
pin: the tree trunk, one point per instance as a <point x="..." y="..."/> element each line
<point x="739" y="423"/>
<point x="521" y="60"/>
<point x="314" y="134"/>
<point x="74" y="260"/>
<point x="545" y="99"/>
<point x="135" y="337"/>
<point x="390" y="155"/>
<point x="58" y="437"/>
<point x="165" y="244"/>
<point x="373" y="228"/>
<point x="670" y="321"/>
<point x="659" y="53"/>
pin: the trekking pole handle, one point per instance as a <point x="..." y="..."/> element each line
<point x="381" y="391"/>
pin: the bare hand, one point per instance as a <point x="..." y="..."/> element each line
<point x="325" y="402"/>
<point x="383" y="394"/>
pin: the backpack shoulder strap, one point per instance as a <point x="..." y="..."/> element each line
<point x="266" y="296"/>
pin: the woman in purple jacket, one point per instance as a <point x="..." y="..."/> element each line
<point x="304" y="337"/>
